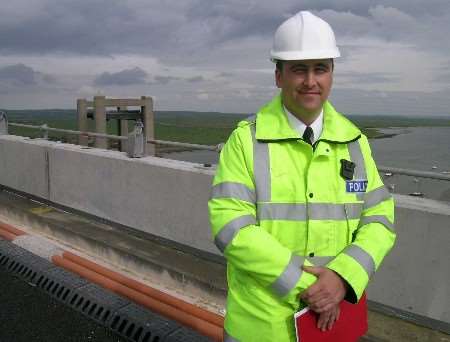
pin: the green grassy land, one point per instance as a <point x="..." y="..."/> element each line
<point x="194" y="127"/>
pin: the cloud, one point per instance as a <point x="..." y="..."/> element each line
<point x="137" y="76"/>
<point x="225" y="74"/>
<point x="96" y="28"/>
<point x="177" y="31"/>
<point x="203" y="96"/>
<point x="19" y="74"/>
<point x="15" y="78"/>
<point x="408" y="103"/>
<point x="122" y="78"/>
<point x="49" y="78"/>
<point x="444" y="80"/>
<point x="367" y="78"/>
<point x="195" y="79"/>
<point x="140" y="47"/>
<point x="415" y="25"/>
<point x="164" y="79"/>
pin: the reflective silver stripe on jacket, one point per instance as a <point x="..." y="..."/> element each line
<point x="227" y="233"/>
<point x="330" y="211"/>
<point x="376" y="196"/>
<point x="233" y="190"/>
<point x="379" y="219"/>
<point x="290" y="276"/>
<point x="356" y="156"/>
<point x="362" y="257"/>
<point x="311" y="211"/>
<point x="320" y="260"/>
<point x="261" y="168"/>
<point x="282" y="211"/>
<point x="228" y="338"/>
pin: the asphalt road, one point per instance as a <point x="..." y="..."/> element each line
<point x="29" y="315"/>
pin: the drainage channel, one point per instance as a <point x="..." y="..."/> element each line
<point x="118" y="313"/>
<point x="29" y="314"/>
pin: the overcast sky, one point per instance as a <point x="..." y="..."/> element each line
<point x="212" y="55"/>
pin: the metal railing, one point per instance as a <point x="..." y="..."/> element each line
<point x="45" y="129"/>
<point x="214" y="148"/>
<point x="132" y="138"/>
<point x="414" y="173"/>
<point x="136" y="148"/>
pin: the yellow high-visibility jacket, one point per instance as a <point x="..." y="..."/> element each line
<point x="279" y="203"/>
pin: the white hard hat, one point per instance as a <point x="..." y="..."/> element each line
<point x="304" y="36"/>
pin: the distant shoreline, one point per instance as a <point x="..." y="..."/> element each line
<point x="385" y="136"/>
<point x="374" y="133"/>
<point x="206" y="128"/>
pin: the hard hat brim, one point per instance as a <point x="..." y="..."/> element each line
<point x="296" y="56"/>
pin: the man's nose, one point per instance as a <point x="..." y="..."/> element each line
<point x="310" y="79"/>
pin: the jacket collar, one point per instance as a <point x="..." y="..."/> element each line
<point x="272" y="124"/>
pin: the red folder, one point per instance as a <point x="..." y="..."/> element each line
<point x="351" y="325"/>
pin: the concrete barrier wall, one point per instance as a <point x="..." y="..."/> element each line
<point x="159" y="196"/>
<point x="415" y="276"/>
<point x="154" y="195"/>
<point x="168" y="198"/>
<point x="23" y="165"/>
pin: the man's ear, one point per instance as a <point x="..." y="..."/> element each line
<point x="278" y="77"/>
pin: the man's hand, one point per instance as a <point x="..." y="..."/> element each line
<point x="327" y="292"/>
<point x="327" y="318"/>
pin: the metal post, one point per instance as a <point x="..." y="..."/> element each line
<point x="44" y="131"/>
<point x="149" y="124"/>
<point x="82" y="121"/>
<point x="100" y="121"/>
<point x="136" y="141"/>
<point x="3" y="123"/>
<point x="123" y="130"/>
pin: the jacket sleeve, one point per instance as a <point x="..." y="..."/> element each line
<point x="236" y="232"/>
<point x="374" y="236"/>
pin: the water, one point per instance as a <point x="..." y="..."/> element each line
<point x="417" y="148"/>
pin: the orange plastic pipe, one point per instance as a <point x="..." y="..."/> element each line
<point x="166" y="310"/>
<point x="11" y="229"/>
<point x="159" y="295"/>
<point x="7" y="235"/>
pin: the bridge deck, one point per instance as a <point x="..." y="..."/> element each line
<point x="193" y="276"/>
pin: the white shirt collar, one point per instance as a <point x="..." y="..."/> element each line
<point x="300" y="127"/>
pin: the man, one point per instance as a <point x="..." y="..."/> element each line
<point x="297" y="205"/>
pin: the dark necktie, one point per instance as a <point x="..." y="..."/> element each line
<point x="307" y="135"/>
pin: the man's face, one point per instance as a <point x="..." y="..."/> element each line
<point x="305" y="85"/>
